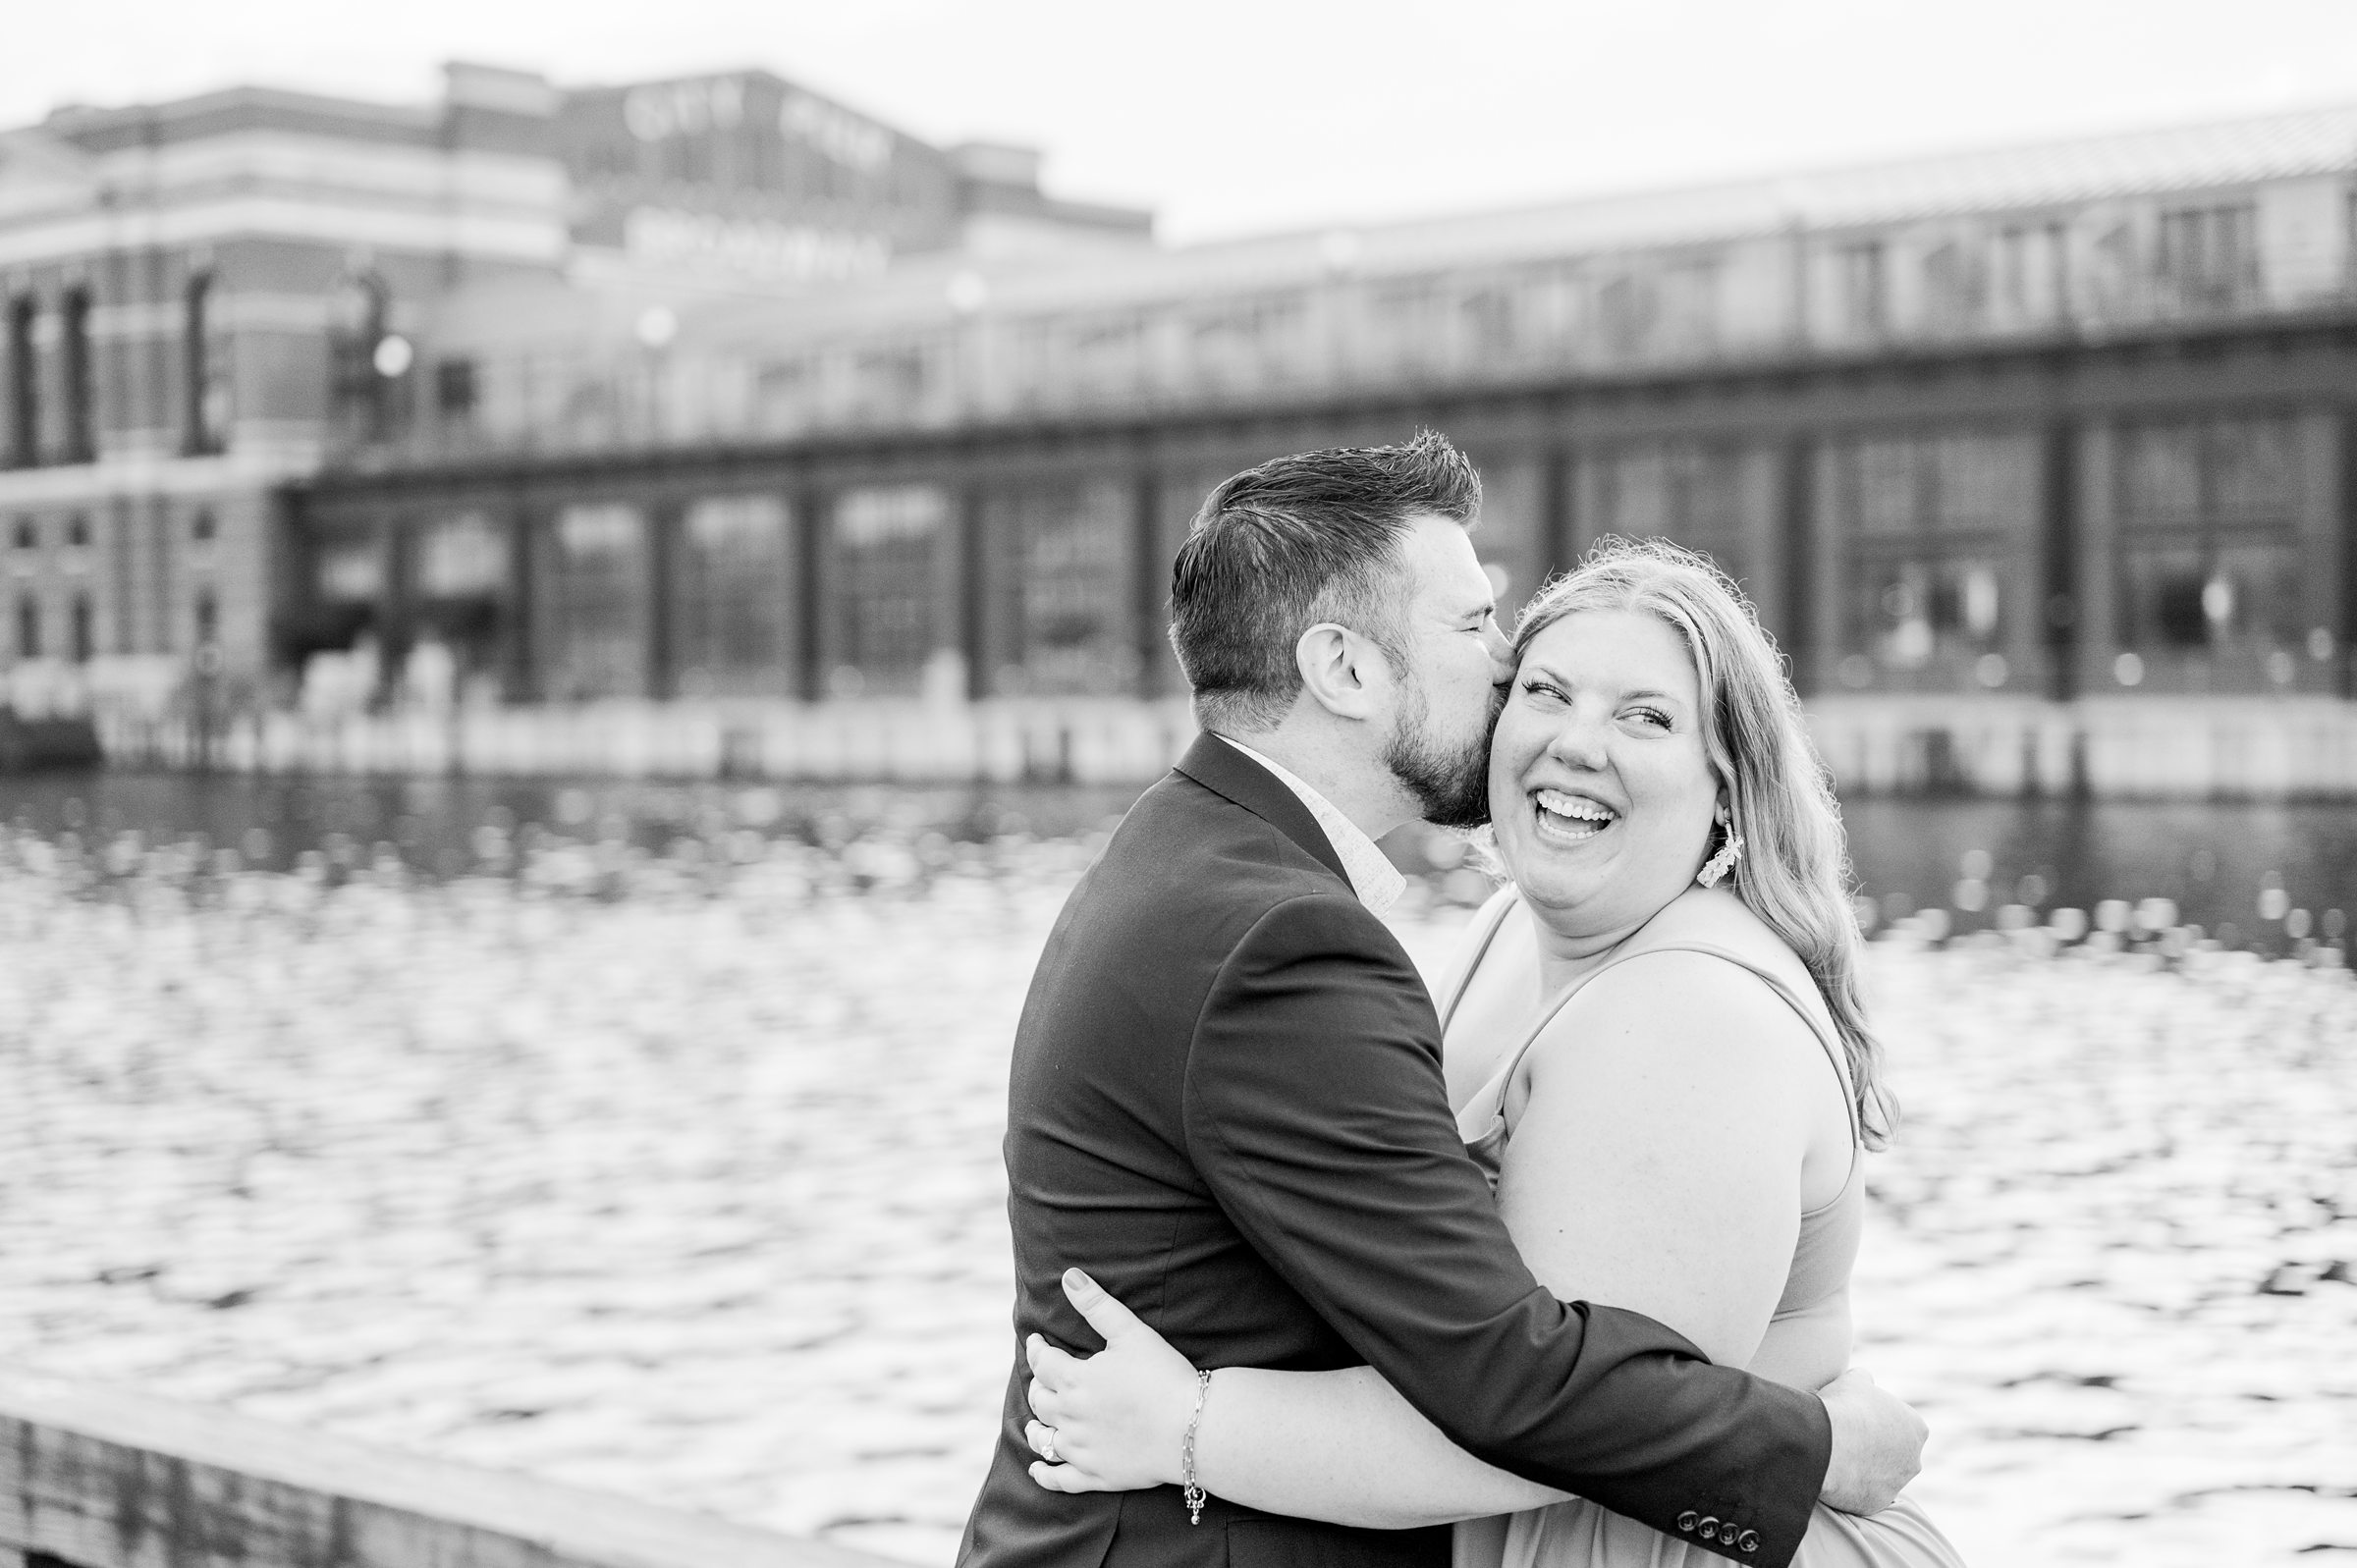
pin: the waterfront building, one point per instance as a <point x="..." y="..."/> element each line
<point x="2060" y="421"/>
<point x="204" y="302"/>
<point x="716" y="392"/>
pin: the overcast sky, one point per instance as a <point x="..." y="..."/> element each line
<point x="1229" y="116"/>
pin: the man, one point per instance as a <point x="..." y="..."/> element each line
<point x="1226" y="1101"/>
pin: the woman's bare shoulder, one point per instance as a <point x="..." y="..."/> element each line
<point x="1668" y="1005"/>
<point x="1717" y="918"/>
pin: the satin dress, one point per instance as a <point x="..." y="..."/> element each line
<point x="1585" y="1535"/>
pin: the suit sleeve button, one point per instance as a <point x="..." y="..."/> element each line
<point x="1709" y="1529"/>
<point x="1749" y="1541"/>
<point x="1686" y="1520"/>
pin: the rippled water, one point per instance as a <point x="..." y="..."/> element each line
<point x="2215" y="861"/>
<point x="676" y="1173"/>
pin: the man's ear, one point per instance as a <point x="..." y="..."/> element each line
<point x="1342" y="672"/>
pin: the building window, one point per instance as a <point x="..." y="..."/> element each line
<point x="465" y="557"/>
<point x="2013" y="278"/>
<point x="1954" y="286"/>
<point x="785" y="395"/>
<point x="1109" y="354"/>
<point x="24" y="385"/>
<point x="1624" y="313"/>
<point x="202" y="527"/>
<point x="1242" y="343"/>
<point x="29" y="627"/>
<point x="729" y="604"/>
<point x="78" y="533"/>
<point x="208" y="619"/>
<point x="1692" y="492"/>
<point x="85" y="630"/>
<point x="362" y="393"/>
<point x="887" y="383"/>
<point x="81" y="432"/>
<point x="1492" y="326"/>
<point x="454" y="388"/>
<point x="597" y="599"/>
<point x="2210" y="563"/>
<point x="1064" y="603"/>
<point x="352" y="573"/>
<point x="204" y="392"/>
<point x="1863" y="296"/>
<point x="1689" y="306"/>
<point x="1936" y="531"/>
<point x="27" y="535"/>
<point x="886" y="551"/>
<point x="2207" y="258"/>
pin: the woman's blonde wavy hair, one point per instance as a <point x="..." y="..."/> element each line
<point x="1794" y="869"/>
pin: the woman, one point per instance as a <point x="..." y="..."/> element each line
<point x="1655" y="1046"/>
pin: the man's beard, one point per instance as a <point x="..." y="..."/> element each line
<point x="1451" y="785"/>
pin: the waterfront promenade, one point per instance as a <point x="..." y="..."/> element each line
<point x="674" y="1176"/>
<point x="2114" y="749"/>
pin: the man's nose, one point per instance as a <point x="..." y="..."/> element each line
<point x="1501" y="649"/>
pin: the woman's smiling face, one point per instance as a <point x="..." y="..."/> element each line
<point x="1601" y="789"/>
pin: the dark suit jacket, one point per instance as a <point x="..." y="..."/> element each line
<point x="1227" y="1105"/>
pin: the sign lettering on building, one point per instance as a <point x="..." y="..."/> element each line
<point x="753" y="248"/>
<point x="663" y="110"/>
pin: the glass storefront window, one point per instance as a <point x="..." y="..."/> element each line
<point x="2211" y="561"/>
<point x="1913" y="610"/>
<point x="462" y="557"/>
<point x="1692" y="492"/>
<point x="1935" y="529"/>
<point x="730" y="596"/>
<point x="596" y="611"/>
<point x="351" y="571"/>
<point x="2188" y="600"/>
<point x="1889" y="498"/>
<point x="886" y="596"/>
<point x="1066" y="613"/>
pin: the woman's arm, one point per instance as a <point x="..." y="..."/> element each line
<point x="1656" y="1162"/>
<point x="1345" y="1447"/>
<point x="1341" y="1446"/>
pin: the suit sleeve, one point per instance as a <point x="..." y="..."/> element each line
<point x="1316" y="1111"/>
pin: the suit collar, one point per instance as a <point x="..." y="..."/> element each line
<point x="1225" y="771"/>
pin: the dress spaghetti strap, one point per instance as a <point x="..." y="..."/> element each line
<point x="1482" y="1122"/>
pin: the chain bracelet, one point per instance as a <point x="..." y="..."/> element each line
<point x="1191" y="1491"/>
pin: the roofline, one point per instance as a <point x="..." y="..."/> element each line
<point x="78" y="117"/>
<point x="1773" y="181"/>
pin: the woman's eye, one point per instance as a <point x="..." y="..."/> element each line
<point x="1651" y="715"/>
<point x="1543" y="688"/>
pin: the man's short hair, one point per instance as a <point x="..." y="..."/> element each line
<point x="1299" y="540"/>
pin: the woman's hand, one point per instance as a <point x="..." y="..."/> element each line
<point x="1115" y="1421"/>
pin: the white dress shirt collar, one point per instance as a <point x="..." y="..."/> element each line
<point x="1377" y="882"/>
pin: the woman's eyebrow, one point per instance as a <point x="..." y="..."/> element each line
<point x="1542" y="667"/>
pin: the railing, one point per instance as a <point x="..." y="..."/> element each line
<point x="94" y="1478"/>
<point x="1002" y="365"/>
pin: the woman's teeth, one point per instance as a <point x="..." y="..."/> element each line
<point x="1572" y="816"/>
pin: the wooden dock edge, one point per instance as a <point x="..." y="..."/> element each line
<point x="95" y="1476"/>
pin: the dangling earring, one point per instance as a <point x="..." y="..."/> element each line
<point x="1720" y="864"/>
